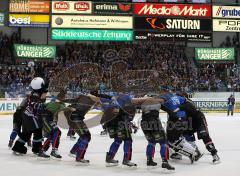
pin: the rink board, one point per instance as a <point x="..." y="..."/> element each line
<point x="8" y="106"/>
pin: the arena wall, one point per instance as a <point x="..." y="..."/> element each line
<point x="215" y="95"/>
<point x="208" y="105"/>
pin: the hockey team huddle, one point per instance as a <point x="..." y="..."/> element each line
<point x="34" y="117"/>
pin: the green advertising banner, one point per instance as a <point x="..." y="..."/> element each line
<point x="35" y="51"/>
<point x="1" y="19"/>
<point x="214" y="54"/>
<point x="99" y="35"/>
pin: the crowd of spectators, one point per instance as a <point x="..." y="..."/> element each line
<point x="145" y="60"/>
<point x="232" y="74"/>
<point x="231" y="42"/>
<point x="117" y="66"/>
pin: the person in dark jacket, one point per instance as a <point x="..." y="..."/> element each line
<point x="75" y="116"/>
<point x="31" y="120"/>
<point x="231" y="103"/>
<point x="17" y="123"/>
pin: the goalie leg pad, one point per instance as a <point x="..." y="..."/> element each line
<point x="183" y="147"/>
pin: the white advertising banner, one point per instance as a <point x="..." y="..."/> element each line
<point x="9" y="106"/>
<point x="226" y="11"/>
<point x="97" y="22"/>
<point x="226" y="25"/>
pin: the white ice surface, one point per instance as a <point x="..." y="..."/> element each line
<point x="225" y="132"/>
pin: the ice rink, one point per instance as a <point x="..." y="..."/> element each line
<point x="225" y="132"/>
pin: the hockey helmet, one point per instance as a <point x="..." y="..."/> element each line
<point x="39" y="85"/>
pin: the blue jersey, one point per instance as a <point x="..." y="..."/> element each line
<point x="108" y="103"/>
<point x="119" y="102"/>
<point x="173" y="102"/>
<point x="125" y="105"/>
<point x="123" y="100"/>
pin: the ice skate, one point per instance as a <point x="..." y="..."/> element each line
<point x="151" y="164"/>
<point x="18" y="153"/>
<point x="216" y="159"/>
<point x="43" y="156"/>
<point x="110" y="162"/>
<point x="82" y="162"/>
<point x="167" y="167"/>
<point x="19" y="149"/>
<point x="128" y="163"/>
<point x="55" y="155"/>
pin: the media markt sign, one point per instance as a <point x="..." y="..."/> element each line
<point x="97" y="35"/>
<point x="214" y="54"/>
<point x="35" y="51"/>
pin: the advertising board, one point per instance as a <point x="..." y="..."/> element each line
<point x="29" y="6"/>
<point x="73" y="7"/>
<point x="166" y="24"/>
<point x="173" y="36"/>
<point x="180" y="10"/>
<point x="226" y="25"/>
<point x="216" y="54"/>
<point x="97" y="22"/>
<point x="92" y="35"/>
<point x="34" y="51"/>
<point x="28" y="20"/>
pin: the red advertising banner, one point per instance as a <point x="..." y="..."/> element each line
<point x="184" y="10"/>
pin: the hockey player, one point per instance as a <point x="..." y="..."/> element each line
<point x="82" y="105"/>
<point x="107" y="99"/>
<point x="50" y="128"/>
<point x="17" y="123"/>
<point x="177" y="125"/>
<point x="154" y="132"/>
<point x="199" y="126"/>
<point x="195" y="119"/>
<point x="117" y="117"/>
<point x="31" y="121"/>
<point x="118" y="112"/>
<point x="126" y="106"/>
